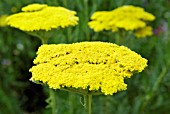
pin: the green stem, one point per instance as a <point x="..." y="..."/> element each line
<point x="53" y="101"/>
<point x="154" y="88"/>
<point x="86" y="18"/>
<point x="71" y="103"/>
<point x="118" y="37"/>
<point x="44" y="41"/>
<point x="87" y="100"/>
<point x="52" y="92"/>
<point x="69" y="36"/>
<point x="159" y="80"/>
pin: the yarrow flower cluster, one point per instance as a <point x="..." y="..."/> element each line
<point x="90" y="66"/>
<point x="3" y="22"/>
<point x="37" y="17"/>
<point x="129" y="18"/>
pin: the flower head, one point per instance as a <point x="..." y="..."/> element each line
<point x="91" y="66"/>
<point x="125" y="17"/>
<point x="37" y="17"/>
<point x="3" y="22"/>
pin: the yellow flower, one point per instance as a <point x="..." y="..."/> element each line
<point x="42" y="17"/>
<point x="3" y="22"/>
<point x="90" y="66"/>
<point x="143" y="32"/>
<point x="125" y="17"/>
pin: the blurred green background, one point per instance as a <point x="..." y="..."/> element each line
<point x="148" y="92"/>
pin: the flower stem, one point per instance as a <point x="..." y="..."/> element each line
<point x="87" y="100"/>
<point x="53" y="101"/>
<point x="155" y="87"/>
<point x="86" y="19"/>
<point x="119" y="36"/>
<point x="52" y="92"/>
<point x="44" y="41"/>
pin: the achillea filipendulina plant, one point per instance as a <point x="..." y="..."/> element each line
<point x="88" y="68"/>
<point x="40" y="19"/>
<point x="128" y="18"/>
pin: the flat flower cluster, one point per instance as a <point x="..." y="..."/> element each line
<point x="129" y="18"/>
<point x="37" y="17"/>
<point x="91" y="66"/>
<point x="3" y="22"/>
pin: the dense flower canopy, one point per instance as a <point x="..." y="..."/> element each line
<point x="37" y="17"/>
<point x="91" y="66"/>
<point x="126" y="17"/>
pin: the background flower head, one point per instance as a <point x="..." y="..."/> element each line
<point x="91" y="66"/>
<point x="125" y="17"/>
<point x="37" y="17"/>
<point x="3" y="21"/>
